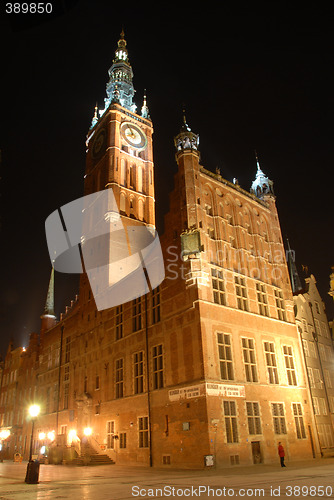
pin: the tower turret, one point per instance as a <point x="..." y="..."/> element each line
<point x="262" y="185"/>
<point x="186" y="139"/>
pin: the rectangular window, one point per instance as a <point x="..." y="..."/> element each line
<point x="306" y="350"/>
<point x="143" y="432"/>
<point x="122" y="440"/>
<point x="119" y="378"/>
<point x="158" y="380"/>
<point x="67" y="349"/>
<point x="253" y="415"/>
<point x="262" y="300"/>
<point x="289" y="365"/>
<point x="156" y="305"/>
<point x="110" y="434"/>
<point x="138" y="361"/>
<point x="66" y="393"/>
<point x="218" y="287"/>
<point x="316" y="407"/>
<point x="311" y="377"/>
<point x="280" y="305"/>
<point x="241" y="292"/>
<point x="225" y="356"/>
<point x="277" y="410"/>
<point x="299" y="420"/>
<point x="136" y="314"/>
<point x="231" y="427"/>
<point x="322" y="406"/>
<point x="248" y="350"/>
<point x="119" y="322"/>
<point x="269" y="351"/>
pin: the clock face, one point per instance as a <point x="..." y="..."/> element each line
<point x="133" y="135"/>
<point x="99" y="143"/>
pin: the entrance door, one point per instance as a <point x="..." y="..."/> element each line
<point x="256" y="452"/>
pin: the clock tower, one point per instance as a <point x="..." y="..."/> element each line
<point x="119" y="158"/>
<point x="119" y="146"/>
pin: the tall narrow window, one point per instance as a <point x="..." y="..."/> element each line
<point x="66" y="394"/>
<point x="138" y="361"/>
<point x="299" y="421"/>
<point x="137" y="314"/>
<point x="110" y="434"/>
<point x="218" y="286"/>
<point x="262" y="300"/>
<point x="122" y="440"/>
<point x="253" y="415"/>
<point x="241" y="292"/>
<point x="119" y="322"/>
<point x="280" y="306"/>
<point x="143" y="432"/>
<point x="269" y="351"/>
<point x="156" y="305"/>
<point x="277" y="410"/>
<point x="158" y="379"/>
<point x="67" y="349"/>
<point x="230" y="416"/>
<point x="119" y="378"/>
<point x="225" y="356"/>
<point x="248" y="350"/>
<point x="289" y="365"/>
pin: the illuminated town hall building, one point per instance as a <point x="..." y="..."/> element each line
<point x="205" y="368"/>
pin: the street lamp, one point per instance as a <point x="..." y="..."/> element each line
<point x="32" y="467"/>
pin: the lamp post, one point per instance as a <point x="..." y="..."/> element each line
<point x="33" y="466"/>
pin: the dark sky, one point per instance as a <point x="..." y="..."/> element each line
<point x="248" y="78"/>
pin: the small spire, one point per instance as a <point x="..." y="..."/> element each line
<point x="144" y="110"/>
<point x="49" y="304"/>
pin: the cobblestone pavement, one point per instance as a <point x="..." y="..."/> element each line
<point x="311" y="479"/>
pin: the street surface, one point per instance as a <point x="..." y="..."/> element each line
<point x="309" y="479"/>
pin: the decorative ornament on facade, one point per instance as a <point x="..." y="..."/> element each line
<point x="262" y="185"/>
<point x="186" y="139"/>
<point x="144" y="110"/>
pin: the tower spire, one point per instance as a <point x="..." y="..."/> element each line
<point x="120" y="87"/>
<point x="49" y="303"/>
<point x="48" y="317"/>
<point x="294" y="276"/>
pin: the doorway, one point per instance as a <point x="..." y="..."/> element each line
<point x="256" y="452"/>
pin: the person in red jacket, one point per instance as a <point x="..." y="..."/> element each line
<point x="281" y="454"/>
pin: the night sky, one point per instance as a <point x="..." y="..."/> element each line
<point x="249" y="79"/>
